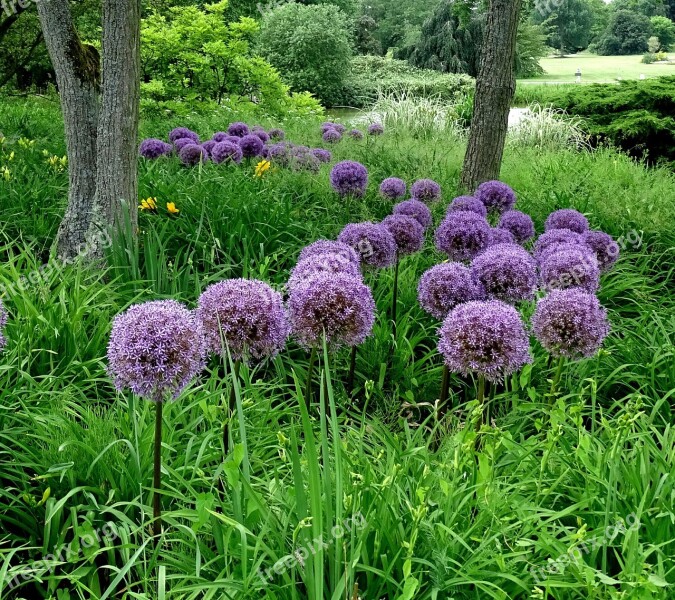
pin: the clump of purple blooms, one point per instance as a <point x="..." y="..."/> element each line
<point x="224" y="152"/>
<point x="262" y="134"/>
<point x="349" y="178"/>
<point x="606" y="249"/>
<point x="570" y="323"/>
<point x="567" y="218"/>
<point x="462" y="235"/>
<point x="375" y="244"/>
<point x="519" y="224"/>
<point x="567" y="266"/>
<point x="507" y="272"/>
<point x="323" y="156"/>
<point x="238" y="129"/>
<point x="425" y="190"/>
<point x="500" y="236"/>
<point x="408" y="233"/>
<point x="393" y="188"/>
<point x="179" y="144"/>
<point x="417" y="210"/>
<point x="356" y="134"/>
<point x="276" y="134"/>
<point x="3" y="322"/>
<point x="156" y="349"/>
<point x="181" y="133"/>
<point x="376" y="129"/>
<point x="330" y="247"/>
<point x="245" y="316"/>
<point x="444" y="286"/>
<point x="496" y="195"/>
<point x="332" y="136"/>
<point x="251" y="145"/>
<point x="220" y="136"/>
<point x="554" y="238"/>
<point x="208" y="146"/>
<point x="470" y="204"/>
<point x="322" y="263"/>
<point x="193" y="154"/>
<point x="153" y="148"/>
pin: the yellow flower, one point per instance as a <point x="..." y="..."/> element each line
<point x="171" y="207"/>
<point x="6" y="173"/>
<point x="148" y="204"/>
<point x="262" y="167"/>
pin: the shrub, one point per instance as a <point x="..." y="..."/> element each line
<point x="664" y="30"/>
<point x="648" y="58"/>
<point x="627" y="33"/>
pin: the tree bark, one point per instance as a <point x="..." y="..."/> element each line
<point x="495" y="87"/>
<point x="77" y="76"/>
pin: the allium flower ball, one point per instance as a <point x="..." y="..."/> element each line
<point x="470" y="204"/>
<point x="570" y="267"/>
<point x="507" y="272"/>
<point x="496" y="195"/>
<point x="192" y="154"/>
<point x="554" y="237"/>
<point x="3" y="322"/>
<point x="444" y="286"/>
<point x="356" y="134"/>
<point x="567" y="218"/>
<point x="417" y="210"/>
<point x="208" y="146"/>
<point x="332" y="136"/>
<point x="245" y="316"/>
<point x="349" y="178"/>
<point x="374" y="243"/>
<point x="220" y="136"/>
<point x="156" y="349"/>
<point x="307" y="161"/>
<point x="328" y="125"/>
<point x="330" y="247"/>
<point x="323" y="156"/>
<point x="238" y="129"/>
<point x="226" y="152"/>
<point x="393" y="188"/>
<point x="570" y="323"/>
<point x="376" y="129"/>
<point x="338" y="304"/>
<point x="462" y="235"/>
<point x="408" y="233"/>
<point x="262" y="134"/>
<point x="183" y="132"/>
<point x="519" y="224"/>
<point x="182" y="142"/>
<point x="153" y="148"/>
<point x="484" y="337"/>
<point x="500" y="236"/>
<point x="425" y="190"/>
<point x="606" y="249"/>
<point x="251" y="145"/>
<point x="322" y="263"/>
<point x="276" y="134"/>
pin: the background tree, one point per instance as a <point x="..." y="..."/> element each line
<point x="568" y="24"/>
<point x="664" y="29"/>
<point x="627" y="33"/>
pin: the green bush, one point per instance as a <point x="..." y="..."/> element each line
<point x="648" y="58"/>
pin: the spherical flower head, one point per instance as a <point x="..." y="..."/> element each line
<point x="262" y="134"/>
<point x="519" y="224"/>
<point x="425" y="190"/>
<point x="408" y="233"/>
<point x="238" y="129"/>
<point x="376" y="129"/>
<point x="470" y="204"/>
<point x="500" y="236"/>
<point x="179" y="144"/>
<point x="322" y="263"/>
<point x="554" y="237"/>
<point x="567" y="266"/>
<point x="324" y="156"/>
<point x="462" y="235"/>
<point x="330" y="247"/>
<point x="226" y="152"/>
<point x="246" y="317"/>
<point x="570" y="323"/>
<point x="192" y="155"/>
<point x="484" y="337"/>
<point x="356" y="134"/>
<point x="507" y="272"/>
<point x="332" y="136"/>
<point x="349" y="178"/>
<point x="374" y="242"/>
<point x="337" y="304"/>
<point x="3" y="322"/>
<point x="276" y="134"/>
<point x="567" y="218"/>
<point x="183" y="132"/>
<point x="156" y="349"/>
<point x="208" y="146"/>
<point x="327" y="126"/>
<point x="153" y="148"/>
<point x="306" y="161"/>
<point x="251" y="145"/>
<point x="417" y="210"/>
<point x="220" y="136"/>
<point x="444" y="286"/>
<point x="496" y="195"/>
<point x="606" y="249"/>
<point x="393" y="188"/>
<point x="280" y="153"/>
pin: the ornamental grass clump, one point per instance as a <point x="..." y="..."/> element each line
<point x="425" y="190"/>
<point x="470" y="204"/>
<point x="393" y="188"/>
<point x="567" y="218"/>
<point x="496" y="196"/>
<point x="462" y="235"/>
<point x="444" y="286"/>
<point x="373" y="241"/>
<point x="349" y="178"/>
<point x="156" y="349"/>
<point x="417" y="210"/>
<point x="507" y="272"/>
<point x="153" y="148"/>
<point x="519" y="224"/>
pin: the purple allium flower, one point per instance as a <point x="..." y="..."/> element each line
<point x="567" y="218"/>
<point x="220" y="136"/>
<point x="322" y="263"/>
<point x="415" y="209"/>
<point x="324" y="156"/>
<point x="183" y="132"/>
<point x="500" y="236"/>
<point x="192" y="154"/>
<point x="251" y="145"/>
<point x="262" y="134"/>
<point x="393" y="188"/>
<point x="3" y="322"/>
<point x="570" y="323"/>
<point x="372" y="241"/>
<point x="470" y="204"/>
<point x="484" y="337"/>
<point x="156" y="349"/>
<point x="567" y="266"/>
<point x="245" y="316"/>
<point x="408" y="233"/>
<point x="376" y="129"/>
<point x="338" y="304"/>
<point x="154" y="148"/>
<point x="238" y="129"/>
<point x="281" y="153"/>
<point x="208" y="146"/>
<point x="555" y="237"/>
<point x="226" y="152"/>
<point x="332" y="136"/>
<point x="444" y="286"/>
<point x="519" y="224"/>
<point x="496" y="195"/>
<point x="356" y="134"/>
<point x="330" y="247"/>
<point x="425" y="190"/>
<point x="339" y="127"/>
<point x="276" y="134"/>
<point x="306" y="161"/>
<point x="605" y="248"/>
<point x="462" y="235"/>
<point x="507" y="272"/>
<point x="349" y="178"/>
<point x="179" y="144"/>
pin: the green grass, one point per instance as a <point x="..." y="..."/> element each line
<point x="437" y="519"/>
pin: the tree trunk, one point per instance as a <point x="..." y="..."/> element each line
<point x="117" y="180"/>
<point x="77" y="76"/>
<point x="495" y="87"/>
